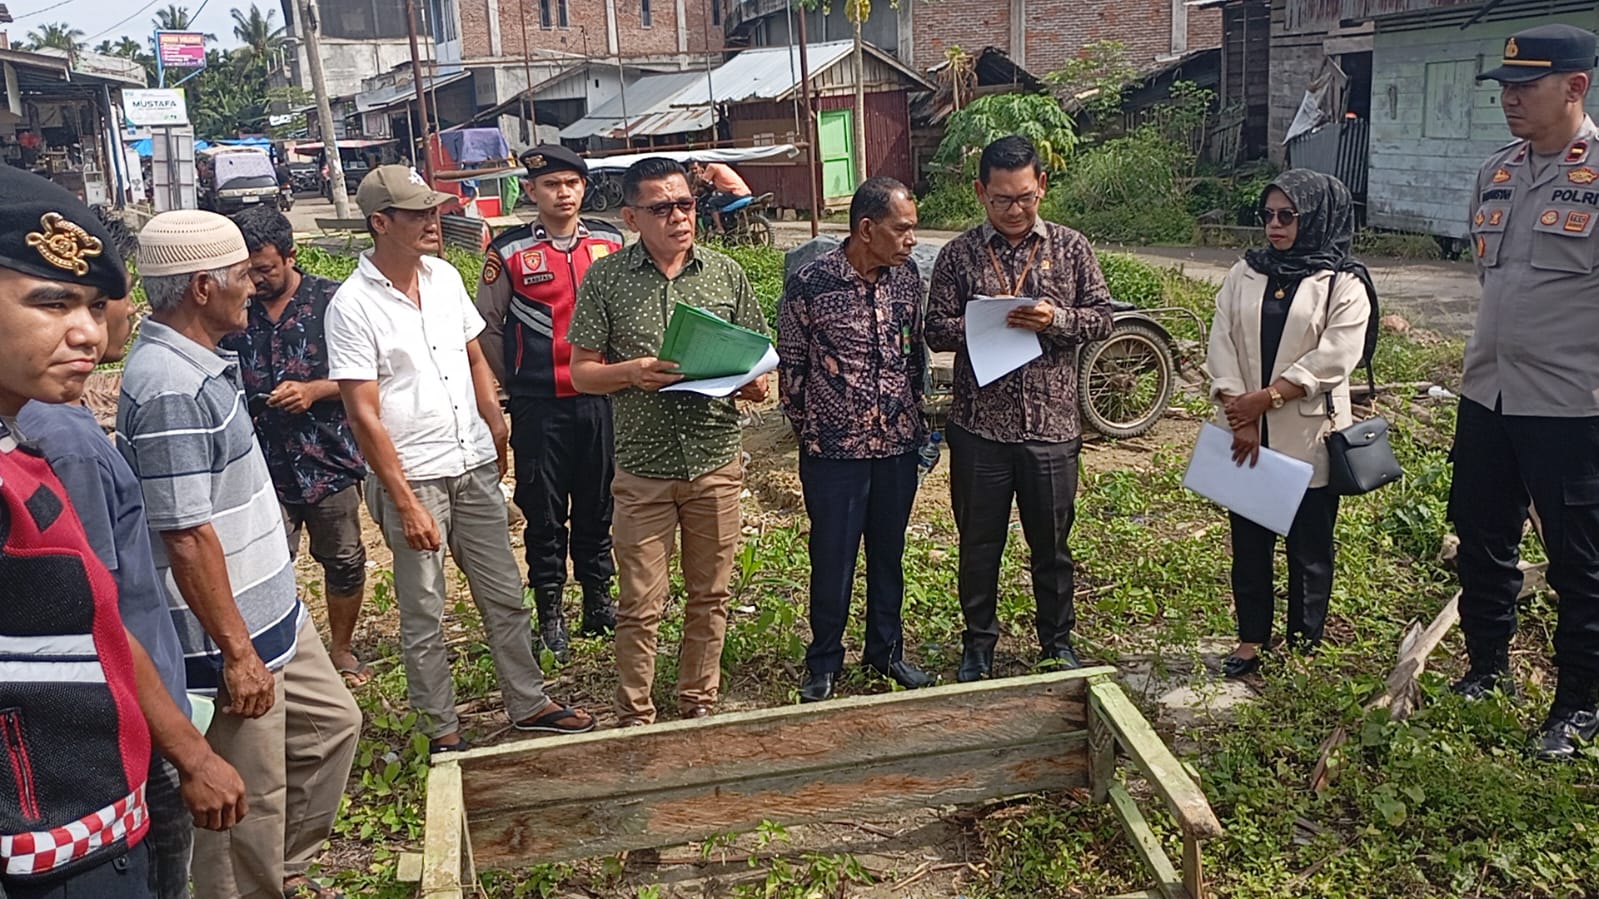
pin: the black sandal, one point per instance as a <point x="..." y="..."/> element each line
<point x="554" y="721"/>
<point x="460" y="745"/>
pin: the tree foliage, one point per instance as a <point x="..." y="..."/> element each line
<point x="1037" y="117"/>
<point x="57" y="36"/>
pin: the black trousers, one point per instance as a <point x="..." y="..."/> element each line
<point x="125" y="876"/>
<point x="1310" y="571"/>
<point x="848" y="499"/>
<point x="1503" y="462"/>
<point x="564" y="466"/>
<point x="984" y="477"/>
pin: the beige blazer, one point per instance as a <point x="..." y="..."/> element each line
<point x="1321" y="345"/>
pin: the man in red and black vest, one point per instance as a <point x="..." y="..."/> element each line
<point x="79" y="696"/>
<point x="562" y="439"/>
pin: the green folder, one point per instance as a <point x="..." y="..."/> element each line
<point x="704" y="346"/>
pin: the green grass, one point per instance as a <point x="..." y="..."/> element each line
<point x="1445" y="804"/>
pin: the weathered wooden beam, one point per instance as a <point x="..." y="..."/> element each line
<point x="1165" y="774"/>
<point x="608" y="823"/>
<point x="1145" y="843"/>
<point x="441" y="842"/>
<point x="1101" y="756"/>
<point x="775" y="741"/>
<point x="671" y="783"/>
<point x="1193" y="867"/>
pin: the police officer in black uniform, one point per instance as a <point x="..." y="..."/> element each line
<point x="1528" y="430"/>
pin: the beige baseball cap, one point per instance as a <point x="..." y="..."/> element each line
<point x="397" y="187"/>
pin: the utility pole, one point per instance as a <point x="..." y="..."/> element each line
<point x="311" y="18"/>
<point x="863" y="8"/>
<point x="810" y="126"/>
<point x="530" y="115"/>
<point x="421" y="93"/>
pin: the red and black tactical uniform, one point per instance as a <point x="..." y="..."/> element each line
<point x="562" y="440"/>
<point x="528" y="289"/>
<point x="76" y="748"/>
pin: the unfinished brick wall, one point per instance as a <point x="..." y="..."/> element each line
<point x="1057" y="30"/>
<point x="636" y="41"/>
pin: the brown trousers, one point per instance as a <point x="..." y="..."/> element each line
<point x="294" y="761"/>
<point x="649" y="513"/>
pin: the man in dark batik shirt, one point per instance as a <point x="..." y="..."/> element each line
<point x="849" y="336"/>
<point x="1019" y="436"/>
<point x="300" y="422"/>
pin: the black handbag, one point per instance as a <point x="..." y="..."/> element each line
<point x="1359" y="458"/>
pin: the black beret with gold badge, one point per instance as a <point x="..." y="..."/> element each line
<point x="48" y="233"/>
<point x="547" y="159"/>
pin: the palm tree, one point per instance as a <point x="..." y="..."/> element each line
<point x="57" y="36"/>
<point x="176" y="18"/>
<point x="126" y="48"/>
<point x="257" y="32"/>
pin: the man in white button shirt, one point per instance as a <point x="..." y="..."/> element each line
<point x="402" y="343"/>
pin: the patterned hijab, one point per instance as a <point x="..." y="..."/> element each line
<point x="1326" y="228"/>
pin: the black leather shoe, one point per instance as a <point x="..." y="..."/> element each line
<point x="817" y="687"/>
<point x="552" y="624"/>
<point x="1559" y="738"/>
<point x="1478" y="684"/>
<point x="1236" y="666"/>
<point x="976" y="664"/>
<point x="905" y="674"/>
<point x="1061" y="658"/>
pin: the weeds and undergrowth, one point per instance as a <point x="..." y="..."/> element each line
<point x="1445" y="804"/>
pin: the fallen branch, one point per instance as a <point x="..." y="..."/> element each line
<point x="1403" y="688"/>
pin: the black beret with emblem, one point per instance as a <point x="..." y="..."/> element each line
<point x="547" y="159"/>
<point x="1535" y="52"/>
<point x="48" y="233"/>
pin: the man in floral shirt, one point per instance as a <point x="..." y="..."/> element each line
<point x="1019" y="436"/>
<point x="849" y="334"/>
<point x="300" y="422"/>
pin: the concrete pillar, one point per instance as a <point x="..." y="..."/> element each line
<point x="1018" y="32"/>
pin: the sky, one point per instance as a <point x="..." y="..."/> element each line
<point x="96" y="16"/>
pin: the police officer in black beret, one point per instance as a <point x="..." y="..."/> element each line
<point x="1528" y="430"/>
<point x="562" y="439"/>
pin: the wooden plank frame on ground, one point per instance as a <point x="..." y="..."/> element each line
<point x="863" y="757"/>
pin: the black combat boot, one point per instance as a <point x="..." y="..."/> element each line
<point x="552" y="626"/>
<point x="1572" y="720"/>
<point x="1490" y="670"/>
<point x="599" y="611"/>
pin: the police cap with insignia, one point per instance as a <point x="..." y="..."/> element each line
<point x="1545" y="50"/>
<point x="547" y="159"/>
<point x="46" y="232"/>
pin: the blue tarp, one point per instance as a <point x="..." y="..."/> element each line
<point x="469" y="146"/>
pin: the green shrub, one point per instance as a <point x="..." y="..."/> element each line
<point x="1139" y="169"/>
<point x="1165" y="224"/>
<point x="1038" y="117"/>
<point x="764" y="267"/>
<point x="1130" y="280"/>
<point x="950" y="207"/>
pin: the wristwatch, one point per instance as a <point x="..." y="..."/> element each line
<point x="1276" y="398"/>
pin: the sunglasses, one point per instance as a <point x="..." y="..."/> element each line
<point x="1284" y="217"/>
<point x="662" y="210"/>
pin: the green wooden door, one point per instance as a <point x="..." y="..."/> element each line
<point x="837" y="129"/>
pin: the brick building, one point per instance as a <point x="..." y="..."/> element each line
<point x="561" y="34"/>
<point x="1041" y="36"/>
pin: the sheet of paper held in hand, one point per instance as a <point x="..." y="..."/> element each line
<point x="729" y="385"/>
<point x="995" y="348"/>
<point x="1268" y="494"/>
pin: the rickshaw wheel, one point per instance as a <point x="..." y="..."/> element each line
<point x="1125" y="381"/>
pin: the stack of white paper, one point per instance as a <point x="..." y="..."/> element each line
<point x="727" y="386"/>
<point x="995" y="348"/>
<point x="1268" y="494"/>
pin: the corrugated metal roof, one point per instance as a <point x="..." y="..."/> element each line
<point x="645" y="99"/>
<point x="764" y="73"/>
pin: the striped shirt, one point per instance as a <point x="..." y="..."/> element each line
<point x="182" y="426"/>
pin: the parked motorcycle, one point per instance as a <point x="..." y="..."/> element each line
<point x="744" y="222"/>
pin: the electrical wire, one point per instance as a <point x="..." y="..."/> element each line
<point x="136" y="13"/>
<point x="42" y="9"/>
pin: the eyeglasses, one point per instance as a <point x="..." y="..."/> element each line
<point x="662" y="210"/>
<point x="1284" y="217"/>
<point x="1005" y="204"/>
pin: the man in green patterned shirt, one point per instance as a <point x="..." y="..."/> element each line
<point x="678" y="455"/>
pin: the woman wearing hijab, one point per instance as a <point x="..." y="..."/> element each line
<point x="1290" y="326"/>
